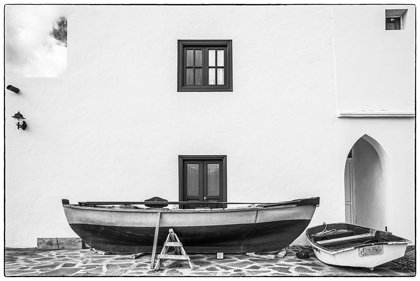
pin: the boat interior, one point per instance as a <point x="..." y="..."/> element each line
<point x="341" y="236"/>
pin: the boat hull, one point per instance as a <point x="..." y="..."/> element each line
<point x="373" y="249"/>
<point x="201" y="231"/>
<point x="351" y="258"/>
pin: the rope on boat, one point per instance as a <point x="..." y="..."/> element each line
<point x="325" y="231"/>
<point x="368" y="241"/>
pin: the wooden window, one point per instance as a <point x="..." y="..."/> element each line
<point x="202" y="179"/>
<point x="204" y="65"/>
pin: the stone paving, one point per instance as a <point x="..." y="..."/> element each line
<point x="84" y="262"/>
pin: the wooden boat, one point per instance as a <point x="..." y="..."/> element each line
<point x="255" y="228"/>
<point x="355" y="246"/>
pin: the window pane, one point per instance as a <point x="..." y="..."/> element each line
<point x="212" y="57"/>
<point x="212" y="76"/>
<point x="193" y="180"/>
<point x="213" y="179"/>
<point x="198" y="57"/>
<point x="198" y="76"/>
<point x="220" y="76"/>
<point x="190" y="58"/>
<point x="393" y="23"/>
<point x="190" y="76"/>
<point x="220" y="57"/>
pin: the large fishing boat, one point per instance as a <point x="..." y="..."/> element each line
<point x="131" y="228"/>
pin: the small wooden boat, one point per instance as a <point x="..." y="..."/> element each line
<point x="255" y="228"/>
<point x="355" y="246"/>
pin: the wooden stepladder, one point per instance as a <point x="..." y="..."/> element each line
<point x="173" y="241"/>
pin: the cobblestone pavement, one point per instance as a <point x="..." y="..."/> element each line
<point x="32" y="262"/>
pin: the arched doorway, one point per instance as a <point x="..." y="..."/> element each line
<point x="366" y="181"/>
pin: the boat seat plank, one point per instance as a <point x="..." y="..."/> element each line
<point x="333" y="234"/>
<point x="346" y="239"/>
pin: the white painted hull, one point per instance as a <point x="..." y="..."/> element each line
<point x="354" y="256"/>
<point x="351" y="257"/>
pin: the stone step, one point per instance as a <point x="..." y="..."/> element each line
<point x="59" y="243"/>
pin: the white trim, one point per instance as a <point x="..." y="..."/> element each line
<point x="352" y="190"/>
<point x="377" y="114"/>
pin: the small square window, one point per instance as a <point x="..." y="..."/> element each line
<point x="394" y="19"/>
<point x="393" y="23"/>
<point x="204" y="65"/>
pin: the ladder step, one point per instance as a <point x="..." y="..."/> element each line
<point x="174" y="257"/>
<point x="173" y="244"/>
<point x="172" y="241"/>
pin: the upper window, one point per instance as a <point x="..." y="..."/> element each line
<point x="204" y="65"/>
<point x="394" y="19"/>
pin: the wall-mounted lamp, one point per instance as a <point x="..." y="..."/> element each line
<point x="19" y="116"/>
<point x="13" y="89"/>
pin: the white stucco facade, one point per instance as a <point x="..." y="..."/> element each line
<point x="113" y="126"/>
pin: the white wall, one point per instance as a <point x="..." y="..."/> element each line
<point x="375" y="71"/>
<point x="375" y="68"/>
<point x="112" y="128"/>
<point x="396" y="137"/>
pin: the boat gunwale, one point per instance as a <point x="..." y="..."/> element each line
<point x="183" y="211"/>
<point x="333" y="252"/>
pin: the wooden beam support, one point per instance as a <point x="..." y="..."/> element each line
<point x="152" y="262"/>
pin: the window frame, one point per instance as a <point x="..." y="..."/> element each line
<point x="181" y="170"/>
<point x="183" y="44"/>
<point x="396" y="14"/>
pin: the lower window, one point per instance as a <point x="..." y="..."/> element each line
<point x="202" y="179"/>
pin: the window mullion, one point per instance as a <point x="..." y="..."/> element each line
<point x="185" y="66"/>
<point x="225" y="65"/>
<point x="205" y="67"/>
<point x="193" y="66"/>
<point x="215" y="66"/>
